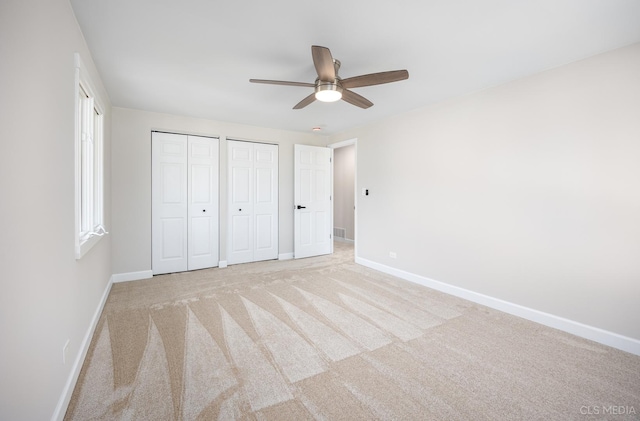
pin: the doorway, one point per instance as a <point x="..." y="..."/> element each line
<point x="344" y="191"/>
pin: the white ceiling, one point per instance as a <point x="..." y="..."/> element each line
<point x="195" y="57"/>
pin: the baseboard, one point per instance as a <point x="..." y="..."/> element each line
<point x="222" y="264"/>
<point x="343" y="240"/>
<point x="132" y="276"/>
<point x="285" y="256"/>
<point x="65" y="398"/>
<point x="595" y="334"/>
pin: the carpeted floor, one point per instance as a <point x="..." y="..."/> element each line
<point x="324" y="338"/>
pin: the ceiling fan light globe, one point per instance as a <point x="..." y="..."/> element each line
<point x="328" y="96"/>
<point x="328" y="92"/>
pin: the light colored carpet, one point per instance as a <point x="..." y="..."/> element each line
<point x="326" y="339"/>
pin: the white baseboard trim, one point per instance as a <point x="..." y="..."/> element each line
<point x="65" y="398"/>
<point x="595" y="334"/>
<point x="132" y="276"/>
<point x="285" y="256"/>
<point x="222" y="264"/>
<point x="343" y="240"/>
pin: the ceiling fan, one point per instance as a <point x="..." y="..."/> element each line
<point x="329" y="87"/>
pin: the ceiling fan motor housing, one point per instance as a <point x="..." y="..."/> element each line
<point x="328" y="91"/>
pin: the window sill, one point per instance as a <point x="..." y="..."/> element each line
<point x="84" y="247"/>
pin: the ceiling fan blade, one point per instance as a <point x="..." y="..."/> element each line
<point x="375" y="79"/>
<point x="308" y="100"/>
<point x="355" y="99"/>
<point x="283" y="82"/>
<point x="323" y="62"/>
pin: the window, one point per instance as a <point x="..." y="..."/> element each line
<point x="89" y="193"/>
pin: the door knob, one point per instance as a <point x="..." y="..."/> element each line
<point x="301" y="207"/>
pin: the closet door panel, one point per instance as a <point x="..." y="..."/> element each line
<point x="169" y="203"/>
<point x="172" y="237"/>
<point x="241" y="237"/>
<point x="266" y="202"/>
<point x="253" y="202"/>
<point x="240" y="193"/>
<point x="203" y="202"/>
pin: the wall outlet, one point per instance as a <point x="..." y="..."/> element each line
<point x="393" y="254"/>
<point x="65" y="352"/>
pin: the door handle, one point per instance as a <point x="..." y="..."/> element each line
<point x="301" y="207"/>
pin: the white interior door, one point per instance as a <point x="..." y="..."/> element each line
<point x="184" y="199"/>
<point x="265" y="219"/>
<point x="312" y="201"/>
<point x="202" y="238"/>
<point x="253" y="202"/>
<point x="169" y="203"/>
<point x="240" y="197"/>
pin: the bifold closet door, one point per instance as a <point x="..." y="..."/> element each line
<point x="253" y="202"/>
<point x="184" y="195"/>
<point x="203" y="186"/>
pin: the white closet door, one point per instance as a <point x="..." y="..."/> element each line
<point x="253" y="202"/>
<point x="184" y="213"/>
<point x="169" y="203"/>
<point x="240" y="194"/>
<point x="265" y="202"/>
<point x="203" y="202"/>
<point x="312" y="198"/>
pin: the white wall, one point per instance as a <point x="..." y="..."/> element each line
<point x="528" y="192"/>
<point x="47" y="296"/>
<point x="343" y="189"/>
<point x="132" y="178"/>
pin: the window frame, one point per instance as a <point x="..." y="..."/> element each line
<point x="89" y="165"/>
